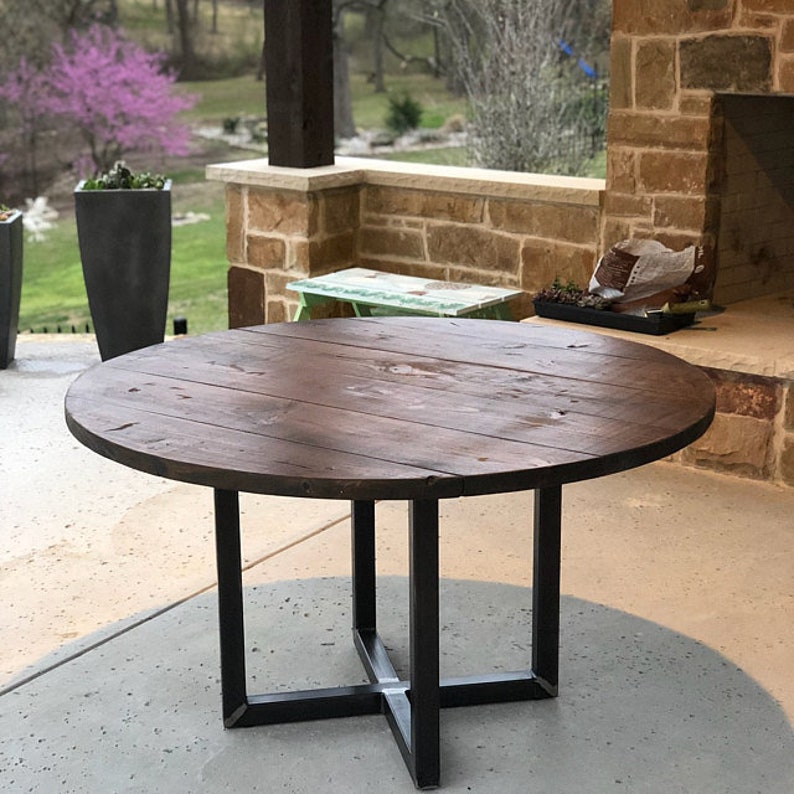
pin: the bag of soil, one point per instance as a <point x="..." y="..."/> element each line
<point x="644" y="275"/>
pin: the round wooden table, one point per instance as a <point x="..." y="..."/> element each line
<point x="391" y="408"/>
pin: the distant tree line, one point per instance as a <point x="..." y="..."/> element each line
<point x="518" y="63"/>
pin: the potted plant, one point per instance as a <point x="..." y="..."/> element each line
<point x="10" y="281"/>
<point x="124" y="234"/>
<point x="568" y="302"/>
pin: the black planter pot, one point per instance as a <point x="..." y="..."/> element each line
<point x="10" y="285"/>
<point x="125" y="248"/>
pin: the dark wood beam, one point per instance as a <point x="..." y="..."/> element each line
<point x="300" y="83"/>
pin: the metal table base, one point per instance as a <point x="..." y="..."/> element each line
<point x="410" y="706"/>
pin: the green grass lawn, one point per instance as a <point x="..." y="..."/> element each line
<point x="53" y="293"/>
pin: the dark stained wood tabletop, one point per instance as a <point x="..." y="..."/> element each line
<point x="390" y="408"/>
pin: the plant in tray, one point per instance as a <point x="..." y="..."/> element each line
<point x="124" y="234"/>
<point x="571" y="295"/>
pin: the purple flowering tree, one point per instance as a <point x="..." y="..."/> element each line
<point x="117" y="95"/>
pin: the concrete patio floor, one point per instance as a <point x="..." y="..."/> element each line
<point x="677" y="658"/>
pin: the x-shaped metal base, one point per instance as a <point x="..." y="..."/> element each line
<point x="411" y="706"/>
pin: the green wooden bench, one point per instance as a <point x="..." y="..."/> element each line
<point x="373" y="291"/>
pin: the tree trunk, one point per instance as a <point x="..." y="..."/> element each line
<point x="378" y="19"/>
<point x="343" y="107"/>
<point x="185" y="28"/>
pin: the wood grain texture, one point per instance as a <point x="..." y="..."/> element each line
<point x="390" y="408"/>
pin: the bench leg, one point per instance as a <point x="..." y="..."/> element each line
<point x="307" y="303"/>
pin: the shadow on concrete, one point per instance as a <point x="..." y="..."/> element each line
<point x="641" y="708"/>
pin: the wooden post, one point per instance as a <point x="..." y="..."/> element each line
<point x="299" y="75"/>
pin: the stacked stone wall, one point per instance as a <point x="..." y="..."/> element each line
<point x="486" y="234"/>
<point x="519" y="243"/>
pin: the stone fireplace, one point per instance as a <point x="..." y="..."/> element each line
<point x="701" y="135"/>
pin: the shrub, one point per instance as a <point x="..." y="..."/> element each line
<point x="404" y="114"/>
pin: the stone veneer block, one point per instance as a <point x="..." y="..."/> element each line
<point x="246" y="297"/>
<point x="544" y="260"/>
<point x="277" y="311"/>
<point x="654" y="87"/>
<point x="266" y="252"/>
<point x="333" y="253"/>
<point x="707" y="5"/>
<point x="471" y="246"/>
<point x="726" y="63"/>
<point x="621" y="169"/>
<point x="787" y="36"/>
<point x="673" y="172"/>
<point x="621" y="92"/>
<point x="786" y="464"/>
<point x="746" y="395"/>
<point x="736" y="444"/>
<point x="438" y="206"/>
<point x="286" y="212"/>
<point x="298" y="258"/>
<point x="235" y="233"/>
<point x="553" y="221"/>
<point x="785" y="77"/>
<point x="627" y="205"/>
<point x="665" y="17"/>
<point x="340" y="210"/>
<point x="276" y="284"/>
<point x="658" y="131"/>
<point x="391" y="242"/>
<point x="681" y="212"/>
<point x="696" y="104"/>
<point x="768" y="6"/>
<point x="614" y="229"/>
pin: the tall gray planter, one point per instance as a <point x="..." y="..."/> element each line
<point x="10" y="285"/>
<point x="125" y="249"/>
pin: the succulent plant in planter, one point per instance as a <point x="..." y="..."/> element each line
<point x="122" y="178"/>
<point x="10" y="281"/>
<point x="124" y="233"/>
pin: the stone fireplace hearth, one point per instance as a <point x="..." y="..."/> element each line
<point x="698" y="113"/>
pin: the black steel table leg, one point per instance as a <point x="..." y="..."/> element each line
<point x="363" y="547"/>
<point x="412" y="706"/>
<point x="424" y="692"/>
<point x="368" y="643"/>
<point x="546" y="586"/>
<point x="230" y="604"/>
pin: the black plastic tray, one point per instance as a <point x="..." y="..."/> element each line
<point x="657" y="324"/>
